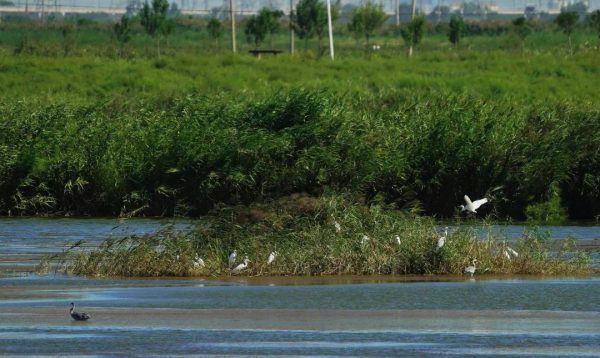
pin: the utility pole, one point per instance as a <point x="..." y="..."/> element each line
<point x="292" y="27"/>
<point x="330" y="28"/>
<point x="232" y="17"/>
<point x="397" y="12"/>
<point x="412" y="18"/>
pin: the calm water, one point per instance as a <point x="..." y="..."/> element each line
<point x="285" y="317"/>
<point x="177" y="317"/>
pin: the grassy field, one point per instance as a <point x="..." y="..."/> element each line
<point x="38" y="63"/>
<point x="524" y="78"/>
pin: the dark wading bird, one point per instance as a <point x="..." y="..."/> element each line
<point x="78" y="316"/>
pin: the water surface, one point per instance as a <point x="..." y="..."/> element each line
<point x="340" y="316"/>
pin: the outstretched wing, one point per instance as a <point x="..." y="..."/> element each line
<point x="467" y="200"/>
<point x="478" y="203"/>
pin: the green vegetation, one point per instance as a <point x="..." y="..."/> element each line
<point x="366" y="19"/>
<point x="92" y="122"/>
<point x="549" y="212"/>
<point x="456" y="28"/>
<point x="215" y="30"/>
<point x="69" y="38"/>
<point x="187" y="155"/>
<point x="301" y="230"/>
<point x="494" y="74"/>
<point x="413" y="32"/>
<point x="594" y="22"/>
<point x="311" y="21"/>
<point x="154" y="20"/>
<point x="258" y="27"/>
<point x="122" y="30"/>
<point x="521" y="29"/>
<point x="566" y="21"/>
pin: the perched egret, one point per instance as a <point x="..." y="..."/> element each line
<point x="241" y="267"/>
<point x="198" y="262"/>
<point x="442" y="240"/>
<point x="364" y="239"/>
<point x="397" y="237"/>
<point x="506" y="254"/>
<point x="232" y="257"/>
<point x="78" y="316"/>
<point x="509" y="250"/>
<point x="471" y="269"/>
<point x="337" y="225"/>
<point x="271" y="257"/>
<point x="472" y="206"/>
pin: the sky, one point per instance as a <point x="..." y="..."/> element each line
<point x="284" y="4"/>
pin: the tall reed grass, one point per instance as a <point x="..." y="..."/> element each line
<point x="422" y="151"/>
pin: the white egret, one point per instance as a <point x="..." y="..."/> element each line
<point x="471" y="269"/>
<point x="241" y="267"/>
<point x="232" y="257"/>
<point x="511" y="251"/>
<point x="397" y="237"/>
<point x="337" y="225"/>
<point x="198" y="262"/>
<point x="472" y="206"/>
<point x="442" y="240"/>
<point x="364" y="239"/>
<point x="506" y="254"/>
<point x="271" y="257"/>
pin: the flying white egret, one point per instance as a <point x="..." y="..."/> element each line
<point x="232" y="257"/>
<point x="271" y="257"/>
<point x="472" y="206"/>
<point x="397" y="237"/>
<point x="471" y="269"/>
<point x="442" y="240"/>
<point x="337" y="225"/>
<point x="241" y="267"/>
<point x="198" y="262"/>
<point x="364" y="239"/>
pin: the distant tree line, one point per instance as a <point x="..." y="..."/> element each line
<point x="158" y="19"/>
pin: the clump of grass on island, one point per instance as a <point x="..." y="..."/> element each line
<point x="301" y="230"/>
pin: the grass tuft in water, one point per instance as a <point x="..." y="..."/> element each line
<point x="302" y="230"/>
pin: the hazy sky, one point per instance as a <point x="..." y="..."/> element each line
<point x="284" y="4"/>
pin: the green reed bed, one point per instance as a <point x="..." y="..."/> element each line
<point x="301" y="229"/>
<point x="187" y="155"/>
